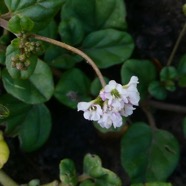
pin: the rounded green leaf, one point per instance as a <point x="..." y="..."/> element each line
<point x="41" y="12"/>
<point x="71" y="31"/>
<point x="168" y="73"/>
<point x="93" y="168"/>
<point x="148" y="155"/>
<point x="143" y="69"/>
<point x="157" y="90"/>
<point x="12" y="51"/>
<point x="17" y="113"/>
<point x="18" y="24"/>
<point x="108" y="47"/>
<point x="68" y="175"/>
<point x="92" y="165"/>
<point x="96" y="14"/>
<point x="73" y="87"/>
<point x="35" y="129"/>
<point x="37" y="89"/>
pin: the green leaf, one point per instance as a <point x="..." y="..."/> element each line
<point x="153" y="184"/>
<point x="181" y="69"/>
<point x="4" y="112"/>
<point x="35" y="129"/>
<point x="3" y="8"/>
<point x="142" y="69"/>
<point x="92" y="167"/>
<point x="108" y="47"/>
<point x="87" y="183"/>
<point x="41" y="12"/>
<point x="71" y="31"/>
<point x="168" y="73"/>
<point x="37" y="89"/>
<point x="73" y="87"/>
<point x="2" y="57"/>
<point x="19" y="23"/>
<point x="50" y="30"/>
<point x="17" y="113"/>
<point x="68" y="175"/>
<point x="148" y="155"/>
<point x="64" y="61"/>
<point x="157" y="90"/>
<point x="96" y="86"/>
<point x="96" y="14"/>
<point x="12" y="51"/>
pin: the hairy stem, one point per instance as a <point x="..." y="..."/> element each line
<point x="176" y="45"/>
<point x="5" y="180"/>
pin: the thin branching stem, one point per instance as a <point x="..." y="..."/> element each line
<point x="167" y="106"/>
<point x="76" y="51"/>
<point x="4" y="23"/>
<point x="176" y="45"/>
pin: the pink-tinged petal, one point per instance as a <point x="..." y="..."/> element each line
<point x="127" y="110"/>
<point x="116" y="119"/>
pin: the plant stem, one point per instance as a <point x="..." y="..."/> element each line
<point x="167" y="106"/>
<point x="176" y="45"/>
<point x="150" y="118"/>
<point x="74" y="50"/>
<point x="4" y="23"/>
<point x="54" y="183"/>
<point x="83" y="177"/>
<point x="5" y="180"/>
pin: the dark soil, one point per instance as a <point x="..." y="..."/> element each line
<point x="155" y="26"/>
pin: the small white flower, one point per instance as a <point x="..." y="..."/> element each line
<point x="110" y="118"/>
<point x="114" y="94"/>
<point x="127" y="110"/>
<point x="92" y="111"/>
<point x="132" y="91"/>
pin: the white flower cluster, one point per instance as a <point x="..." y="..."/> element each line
<point x="113" y="102"/>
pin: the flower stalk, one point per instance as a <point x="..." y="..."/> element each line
<point x="4" y="24"/>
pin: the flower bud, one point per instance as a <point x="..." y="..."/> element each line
<point x="22" y="58"/>
<point x="27" y="63"/>
<point x="19" y="66"/>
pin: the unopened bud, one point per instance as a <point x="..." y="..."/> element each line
<point x="27" y="63"/>
<point x="13" y="59"/>
<point x="19" y="66"/>
<point x="22" y="57"/>
<point x="13" y="64"/>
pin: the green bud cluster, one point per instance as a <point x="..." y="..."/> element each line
<point x="20" y="62"/>
<point x="27" y="48"/>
